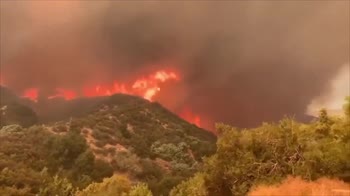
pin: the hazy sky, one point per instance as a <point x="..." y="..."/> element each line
<point x="241" y="62"/>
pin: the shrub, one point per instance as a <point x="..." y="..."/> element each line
<point x="195" y="186"/>
<point x="126" y="161"/>
<point x="64" y="150"/>
<point x="115" y="185"/>
<point x="101" y="170"/>
<point x="150" y="170"/>
<point x="140" y="190"/>
<point x="57" y="186"/>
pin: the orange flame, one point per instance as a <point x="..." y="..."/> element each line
<point x="31" y="93"/>
<point x="146" y="87"/>
<point x="150" y="86"/>
<point x="189" y="116"/>
<point x="65" y="93"/>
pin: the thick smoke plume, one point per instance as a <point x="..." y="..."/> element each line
<point x="240" y="62"/>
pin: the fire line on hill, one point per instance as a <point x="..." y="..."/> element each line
<point x="145" y="86"/>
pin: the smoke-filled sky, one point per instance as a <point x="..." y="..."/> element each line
<point x="240" y="62"/>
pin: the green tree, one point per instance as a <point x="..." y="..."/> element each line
<point x="82" y="171"/>
<point x="140" y="190"/>
<point x="115" y="185"/>
<point x="195" y="186"/>
<point x="64" y="150"/>
<point x="57" y="186"/>
<point x="84" y="164"/>
<point x="324" y="122"/>
<point x="101" y="170"/>
<point x="127" y="161"/>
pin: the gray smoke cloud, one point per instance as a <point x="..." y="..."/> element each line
<point x="241" y="62"/>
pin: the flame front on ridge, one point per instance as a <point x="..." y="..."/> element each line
<point x="146" y="87"/>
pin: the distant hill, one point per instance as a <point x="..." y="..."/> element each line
<point x="59" y="109"/>
<point x="12" y="111"/>
<point x="7" y="96"/>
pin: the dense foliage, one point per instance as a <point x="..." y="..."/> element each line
<point x="115" y="185"/>
<point x="124" y="134"/>
<point x="268" y="154"/>
<point x="30" y="157"/>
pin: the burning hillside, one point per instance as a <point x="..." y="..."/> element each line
<point x="238" y="63"/>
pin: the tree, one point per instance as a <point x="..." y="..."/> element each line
<point x="101" y="170"/>
<point x="115" y="185"/>
<point x="195" y="186"/>
<point x="64" y="150"/>
<point x="140" y="190"/>
<point x="84" y="164"/>
<point x="57" y="186"/>
<point x="324" y="122"/>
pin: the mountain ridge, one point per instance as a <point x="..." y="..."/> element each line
<point x="119" y="134"/>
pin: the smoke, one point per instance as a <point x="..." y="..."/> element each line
<point x="333" y="98"/>
<point x="241" y="62"/>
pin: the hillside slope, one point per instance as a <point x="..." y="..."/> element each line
<point x="121" y="134"/>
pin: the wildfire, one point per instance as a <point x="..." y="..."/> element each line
<point x="31" y="93"/>
<point x="189" y="116"/>
<point x="146" y="87"/>
<point x="65" y="93"/>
